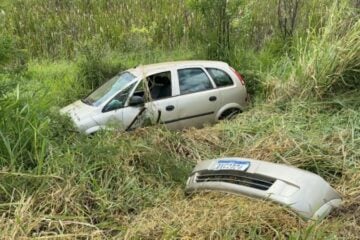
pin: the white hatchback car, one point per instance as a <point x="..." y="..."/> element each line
<point x="178" y="94"/>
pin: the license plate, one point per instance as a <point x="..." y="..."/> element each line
<point x="232" y="165"/>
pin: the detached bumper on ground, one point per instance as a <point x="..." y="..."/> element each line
<point x="306" y="193"/>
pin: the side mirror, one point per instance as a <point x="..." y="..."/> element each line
<point x="112" y="105"/>
<point x="136" y="101"/>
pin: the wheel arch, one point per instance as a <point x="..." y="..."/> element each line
<point x="227" y="107"/>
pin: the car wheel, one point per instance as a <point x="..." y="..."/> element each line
<point x="229" y="114"/>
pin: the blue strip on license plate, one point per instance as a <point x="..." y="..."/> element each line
<point x="232" y="165"/>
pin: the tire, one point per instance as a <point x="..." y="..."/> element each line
<point x="229" y="114"/>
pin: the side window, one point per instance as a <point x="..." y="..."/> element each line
<point x="139" y="90"/>
<point x="193" y="80"/>
<point x="158" y="84"/>
<point x="221" y="78"/>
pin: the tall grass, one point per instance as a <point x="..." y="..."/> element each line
<point x="12" y="59"/>
<point x="56" y="183"/>
<point x="117" y="24"/>
<point x="324" y="62"/>
<point x="129" y="185"/>
<point x="58" y="29"/>
<point x="22" y="143"/>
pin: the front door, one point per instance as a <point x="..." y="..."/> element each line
<point x="112" y="114"/>
<point x="160" y="106"/>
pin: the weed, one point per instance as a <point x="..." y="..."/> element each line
<point x="57" y="183"/>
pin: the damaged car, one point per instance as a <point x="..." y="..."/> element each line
<point x="177" y="94"/>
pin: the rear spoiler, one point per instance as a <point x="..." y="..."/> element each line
<point x="304" y="192"/>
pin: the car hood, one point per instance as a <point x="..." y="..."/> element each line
<point x="78" y="111"/>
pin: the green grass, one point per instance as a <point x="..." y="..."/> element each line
<point x="324" y="62"/>
<point x="130" y="185"/>
<point x="56" y="183"/>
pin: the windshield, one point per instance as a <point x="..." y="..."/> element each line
<point x="120" y="99"/>
<point x="108" y="89"/>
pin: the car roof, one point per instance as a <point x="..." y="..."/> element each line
<point x="166" y="65"/>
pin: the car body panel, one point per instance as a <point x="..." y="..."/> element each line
<point x="156" y="111"/>
<point x="196" y="109"/>
<point x="226" y="107"/>
<point x="193" y="109"/>
<point x="81" y="114"/>
<point x="304" y="192"/>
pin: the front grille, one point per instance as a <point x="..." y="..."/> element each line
<point x="236" y="177"/>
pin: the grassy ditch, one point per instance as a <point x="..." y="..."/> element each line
<point x="56" y="183"/>
<point x="130" y="185"/>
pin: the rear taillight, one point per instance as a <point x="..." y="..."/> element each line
<point x="238" y="75"/>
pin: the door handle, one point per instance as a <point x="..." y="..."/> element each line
<point x="212" y="98"/>
<point x="170" y="108"/>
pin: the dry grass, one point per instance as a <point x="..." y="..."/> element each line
<point x="56" y="184"/>
<point x="121" y="185"/>
<point x="214" y="216"/>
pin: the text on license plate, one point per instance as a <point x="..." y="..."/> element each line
<point x="232" y="165"/>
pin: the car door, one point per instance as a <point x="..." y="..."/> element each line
<point x="164" y="111"/>
<point x="112" y="113"/>
<point x="198" y="98"/>
<point x="232" y="89"/>
<point x="159" y="107"/>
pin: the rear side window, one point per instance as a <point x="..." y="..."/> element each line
<point x="193" y="80"/>
<point x="221" y="78"/>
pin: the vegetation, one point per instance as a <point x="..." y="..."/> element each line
<point x="301" y="61"/>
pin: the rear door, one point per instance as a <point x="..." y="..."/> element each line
<point x="198" y="98"/>
<point x="231" y="89"/>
